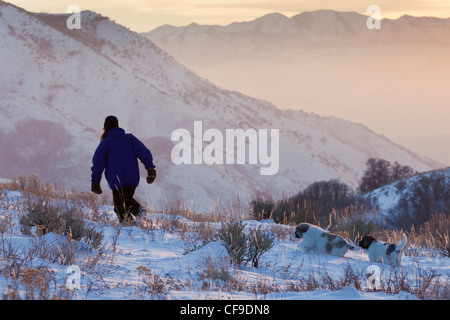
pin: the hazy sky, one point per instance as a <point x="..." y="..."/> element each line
<point x="145" y="15"/>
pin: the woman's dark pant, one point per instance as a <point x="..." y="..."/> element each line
<point x="125" y="204"/>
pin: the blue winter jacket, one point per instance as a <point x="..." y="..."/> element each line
<point x="118" y="153"/>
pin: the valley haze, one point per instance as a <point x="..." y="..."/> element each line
<point x="393" y="79"/>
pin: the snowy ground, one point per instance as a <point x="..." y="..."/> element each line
<point x="167" y="260"/>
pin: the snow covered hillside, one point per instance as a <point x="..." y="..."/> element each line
<point x="58" y="85"/>
<point x="413" y="200"/>
<point x="180" y="258"/>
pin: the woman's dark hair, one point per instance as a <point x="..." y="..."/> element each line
<point x="110" y="122"/>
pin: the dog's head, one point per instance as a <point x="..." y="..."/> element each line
<point x="300" y="230"/>
<point x="366" y="242"/>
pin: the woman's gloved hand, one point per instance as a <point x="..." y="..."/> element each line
<point x="151" y="175"/>
<point x="96" y="188"/>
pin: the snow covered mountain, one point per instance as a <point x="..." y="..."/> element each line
<point x="276" y="33"/>
<point x="58" y="85"/>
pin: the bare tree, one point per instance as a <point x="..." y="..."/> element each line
<point x="380" y="172"/>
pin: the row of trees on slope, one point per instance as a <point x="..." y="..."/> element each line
<point x="323" y="201"/>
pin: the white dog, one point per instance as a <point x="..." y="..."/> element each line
<point x="317" y="239"/>
<point x="383" y="252"/>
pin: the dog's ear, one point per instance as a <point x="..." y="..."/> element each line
<point x="303" y="227"/>
<point x="390" y="248"/>
<point x="366" y="242"/>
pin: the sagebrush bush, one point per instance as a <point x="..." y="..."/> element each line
<point x="242" y="246"/>
<point x="232" y="233"/>
<point x="259" y="242"/>
<point x="40" y="214"/>
<point x="63" y="219"/>
<point x="35" y="285"/>
<point x="214" y="268"/>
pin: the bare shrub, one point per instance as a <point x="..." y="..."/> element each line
<point x="259" y="242"/>
<point x="158" y="287"/>
<point x="196" y="235"/>
<point x="242" y="246"/>
<point x="63" y="219"/>
<point x="154" y="284"/>
<point x="6" y="223"/>
<point x="40" y="214"/>
<point x="233" y="234"/>
<point x="215" y="268"/>
<point x="35" y="284"/>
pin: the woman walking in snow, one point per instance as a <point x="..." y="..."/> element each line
<point x="117" y="155"/>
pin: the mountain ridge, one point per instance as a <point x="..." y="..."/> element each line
<point x="351" y="21"/>
<point x="330" y="63"/>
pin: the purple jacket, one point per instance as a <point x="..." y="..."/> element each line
<point x="118" y="153"/>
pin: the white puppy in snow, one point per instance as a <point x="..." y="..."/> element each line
<point x="317" y="239"/>
<point x="383" y="252"/>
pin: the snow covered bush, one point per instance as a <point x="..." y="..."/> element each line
<point x="245" y="246"/>
<point x="259" y="242"/>
<point x="232" y="233"/>
<point x="63" y="219"/>
<point x="40" y="214"/>
<point x="37" y="286"/>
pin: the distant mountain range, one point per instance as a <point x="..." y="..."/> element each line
<point x="330" y="63"/>
<point x="276" y="34"/>
<point x="58" y="85"/>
